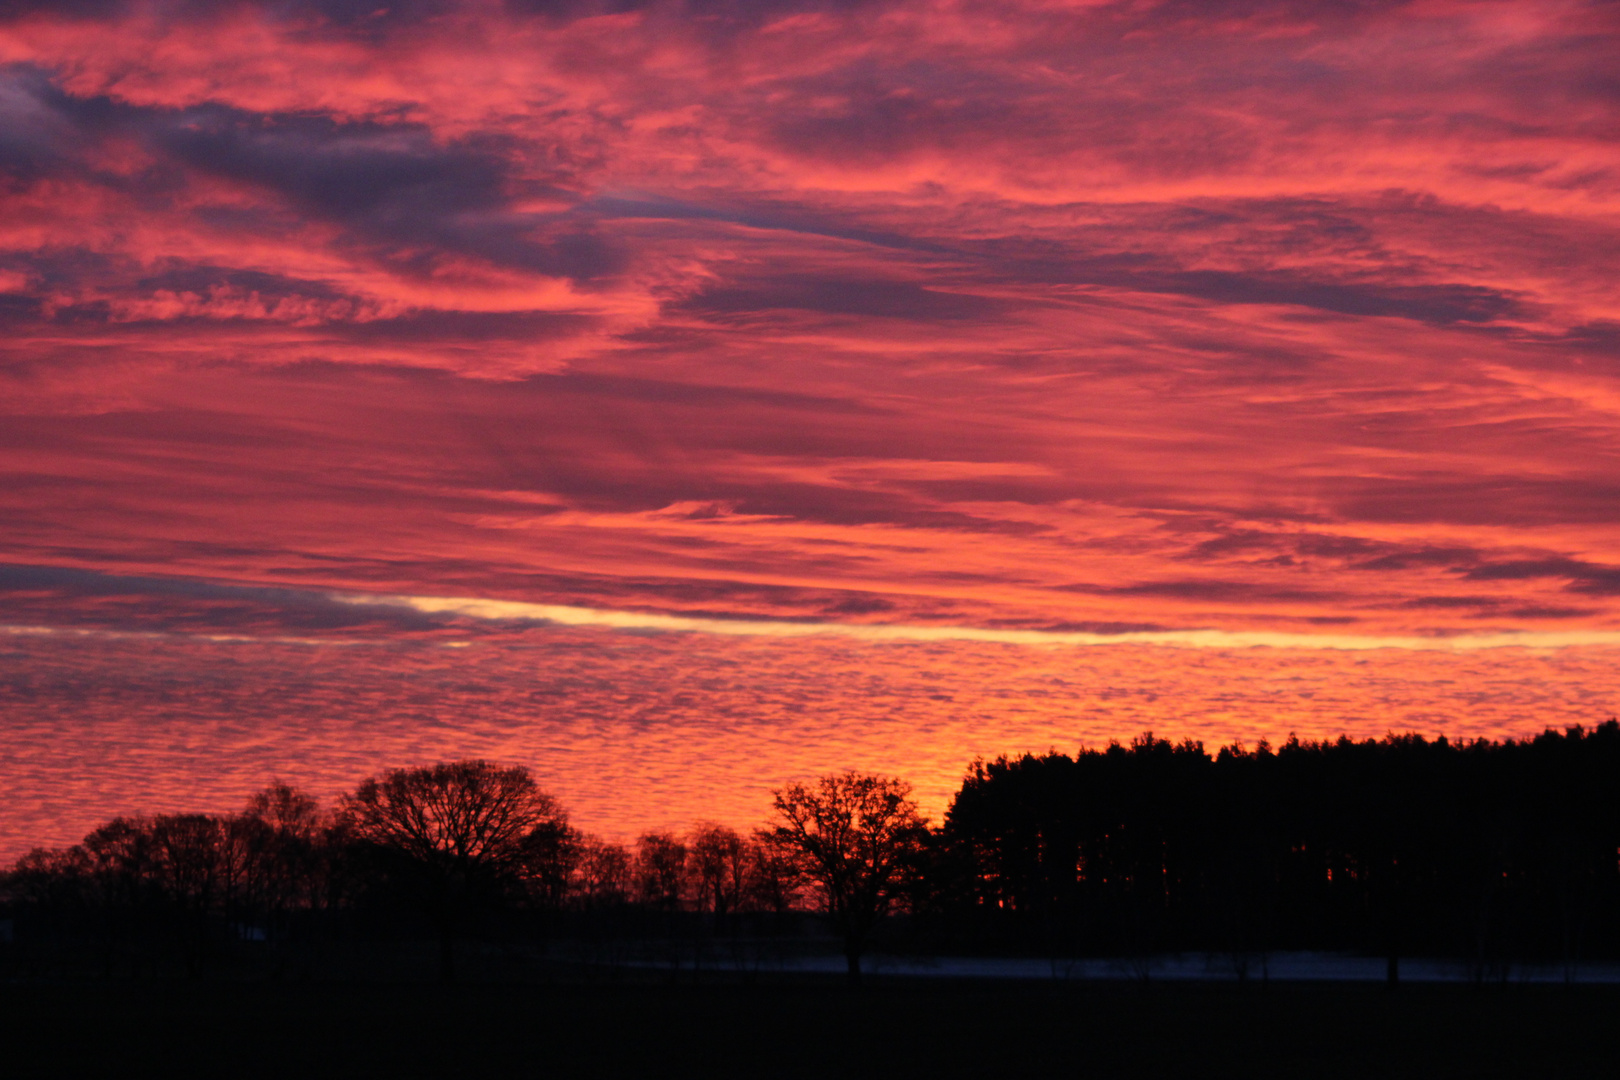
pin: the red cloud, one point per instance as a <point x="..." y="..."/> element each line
<point x="1256" y="317"/>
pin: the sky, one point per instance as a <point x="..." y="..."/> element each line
<point x="681" y="398"/>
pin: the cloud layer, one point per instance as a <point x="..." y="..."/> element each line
<point x="1250" y="318"/>
<point x="635" y="731"/>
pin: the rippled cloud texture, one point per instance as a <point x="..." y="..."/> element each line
<point x="1098" y="319"/>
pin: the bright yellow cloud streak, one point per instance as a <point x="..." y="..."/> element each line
<point x="512" y="610"/>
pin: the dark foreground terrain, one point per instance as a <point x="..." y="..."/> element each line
<point x="804" y="1029"/>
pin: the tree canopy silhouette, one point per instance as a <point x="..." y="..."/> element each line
<point x="858" y="838"/>
<point x="460" y="830"/>
<point x="1403" y="845"/>
<point x="1499" y="854"/>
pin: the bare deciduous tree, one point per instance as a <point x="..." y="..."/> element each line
<point x="857" y="838"/>
<point x="458" y="830"/>
<point x="602" y="876"/>
<point x="275" y="844"/>
<point x="774" y="882"/>
<point x="660" y="870"/>
<point x="286" y="810"/>
<point x="718" y="862"/>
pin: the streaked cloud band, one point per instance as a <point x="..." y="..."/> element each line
<point x="564" y="615"/>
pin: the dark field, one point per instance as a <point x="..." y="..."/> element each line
<point x="805" y="1030"/>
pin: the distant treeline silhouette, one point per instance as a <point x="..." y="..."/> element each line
<point x="1489" y="852"/>
<point x="1492" y="852"/>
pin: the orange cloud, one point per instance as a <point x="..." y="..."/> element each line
<point x="922" y="318"/>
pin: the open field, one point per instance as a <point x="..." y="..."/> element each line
<point x="801" y="1028"/>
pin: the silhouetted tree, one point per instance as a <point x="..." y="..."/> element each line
<point x="1494" y="852"/>
<point x="188" y="871"/>
<point x="457" y="832"/>
<point x="660" y="870"/>
<point x="773" y="882"/>
<point x="120" y="891"/>
<point x="602" y="874"/>
<point x="857" y="838"/>
<point x="717" y="861"/>
<point x="1389" y="846"/>
<point x="279" y="838"/>
<point x="551" y="850"/>
<point x="53" y="885"/>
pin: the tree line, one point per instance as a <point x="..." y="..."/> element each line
<point x="450" y="848"/>
<point x="1483" y="851"/>
<point x="1489" y="852"/>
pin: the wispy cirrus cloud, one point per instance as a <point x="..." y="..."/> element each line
<point x="1219" y="286"/>
<point x="88" y="602"/>
<point x="849" y="350"/>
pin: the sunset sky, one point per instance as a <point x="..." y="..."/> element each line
<point x="683" y="398"/>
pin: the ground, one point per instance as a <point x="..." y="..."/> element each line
<point x="804" y="1029"/>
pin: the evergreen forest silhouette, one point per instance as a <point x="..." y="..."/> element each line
<point x="1488" y="853"/>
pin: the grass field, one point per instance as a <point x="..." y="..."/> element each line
<point x="805" y="1029"/>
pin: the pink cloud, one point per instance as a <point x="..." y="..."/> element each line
<point x="1253" y="317"/>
